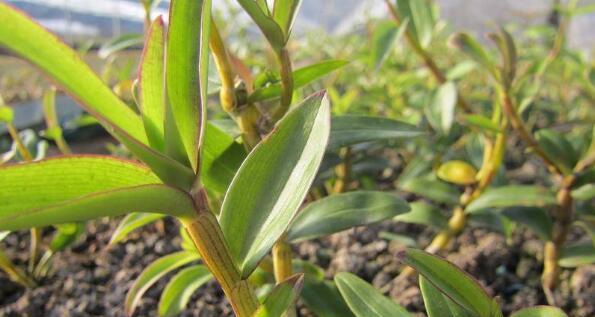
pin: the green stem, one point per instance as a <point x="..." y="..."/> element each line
<point x="286" y="84"/>
<point x="14" y="273"/>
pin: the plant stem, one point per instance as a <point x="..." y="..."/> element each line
<point x="21" y="148"/>
<point x="210" y="242"/>
<point x="426" y="57"/>
<point x="286" y="83"/>
<point x="282" y="255"/>
<point x="343" y="172"/>
<point x="14" y="273"/>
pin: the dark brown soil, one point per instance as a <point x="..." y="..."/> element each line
<point x="91" y="280"/>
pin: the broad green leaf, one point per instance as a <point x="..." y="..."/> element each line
<point x="151" y="85"/>
<point x="343" y="211"/>
<point x="271" y="184"/>
<point x="152" y="273"/>
<point x="398" y="238"/>
<point x="558" y="148"/>
<point x="271" y="29"/>
<point x="66" y="235"/>
<point x="481" y="122"/>
<point x="433" y="189"/>
<point x="364" y="300"/>
<point x="181" y="287"/>
<point x="537" y="219"/>
<point x="120" y="43"/>
<point x="29" y="40"/>
<point x="284" y="13"/>
<point x="453" y="282"/>
<point x="425" y="214"/>
<point x="186" y="73"/>
<point x="473" y="49"/>
<point x="351" y="130"/>
<point x="301" y="78"/>
<point x="444" y="103"/>
<point x="323" y="299"/>
<point x="540" y="311"/>
<point x="221" y="157"/>
<point x="282" y="298"/>
<point x="419" y="13"/>
<point x="511" y="196"/>
<point x="384" y="39"/>
<point x="438" y="304"/>
<point x="457" y="172"/>
<point x="132" y="222"/>
<point x="577" y="255"/>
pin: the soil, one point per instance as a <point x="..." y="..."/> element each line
<point x="92" y="280"/>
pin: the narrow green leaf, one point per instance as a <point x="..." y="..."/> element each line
<point x="120" y="43"/>
<point x="221" y="157"/>
<point x="558" y="148"/>
<point x="351" y="130"/>
<point x="453" y="282"/>
<point x="438" y="304"/>
<point x="507" y="48"/>
<point x="577" y="255"/>
<point x="364" y="300"/>
<point x="270" y="185"/>
<point x="460" y="70"/>
<point x="384" y="39"/>
<point x="66" y="235"/>
<point x="152" y="84"/>
<point x="511" y="196"/>
<point x="271" y="30"/>
<point x="282" y="298"/>
<point x="481" y="122"/>
<point x="3" y="235"/>
<point x="419" y="13"/>
<point x="433" y="189"/>
<point x="444" y="103"/>
<point x="132" y="222"/>
<point x="29" y="40"/>
<point x="425" y="214"/>
<point x="540" y="311"/>
<point x="584" y="193"/>
<point x="301" y="78"/>
<point x="152" y="273"/>
<point x="537" y="219"/>
<point x="186" y="70"/>
<point x="284" y="13"/>
<point x="343" y="211"/>
<point x="181" y="287"/>
<point x="323" y="299"/>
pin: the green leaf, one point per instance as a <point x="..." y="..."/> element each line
<point x="120" y="43"/>
<point x="364" y="300"/>
<point x="152" y="273"/>
<point x="473" y="49"/>
<point x="284" y="13"/>
<point x="433" y="189"/>
<point x="132" y="222"/>
<point x="29" y="40"/>
<point x="351" y="130"/>
<point x="558" y="148"/>
<point x="453" y="282"/>
<point x="269" y="27"/>
<point x="343" y="211"/>
<point x="419" y="13"/>
<point x="301" y="78"/>
<point x="186" y="73"/>
<point x="457" y="172"/>
<point x="425" y="214"/>
<point x="460" y="70"/>
<point x="438" y="304"/>
<point x="6" y="114"/>
<point x="385" y="37"/>
<point x="507" y="48"/>
<point x="537" y="219"/>
<point x="179" y="290"/>
<point x="513" y="195"/>
<point x="269" y="187"/>
<point x="540" y="311"/>
<point x="66" y="235"/>
<point x="323" y="299"/>
<point x="152" y="85"/>
<point x="3" y="235"/>
<point x="221" y="157"/>
<point x="282" y="298"/>
<point x="444" y="103"/>
<point x="585" y="192"/>
<point x="577" y="255"/>
<point x="481" y="122"/>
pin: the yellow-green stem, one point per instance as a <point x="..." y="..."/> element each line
<point x="343" y="172"/>
<point x="286" y="83"/>
<point x="14" y="273"/>
<point x="21" y="148"/>
<point x="282" y="255"/>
